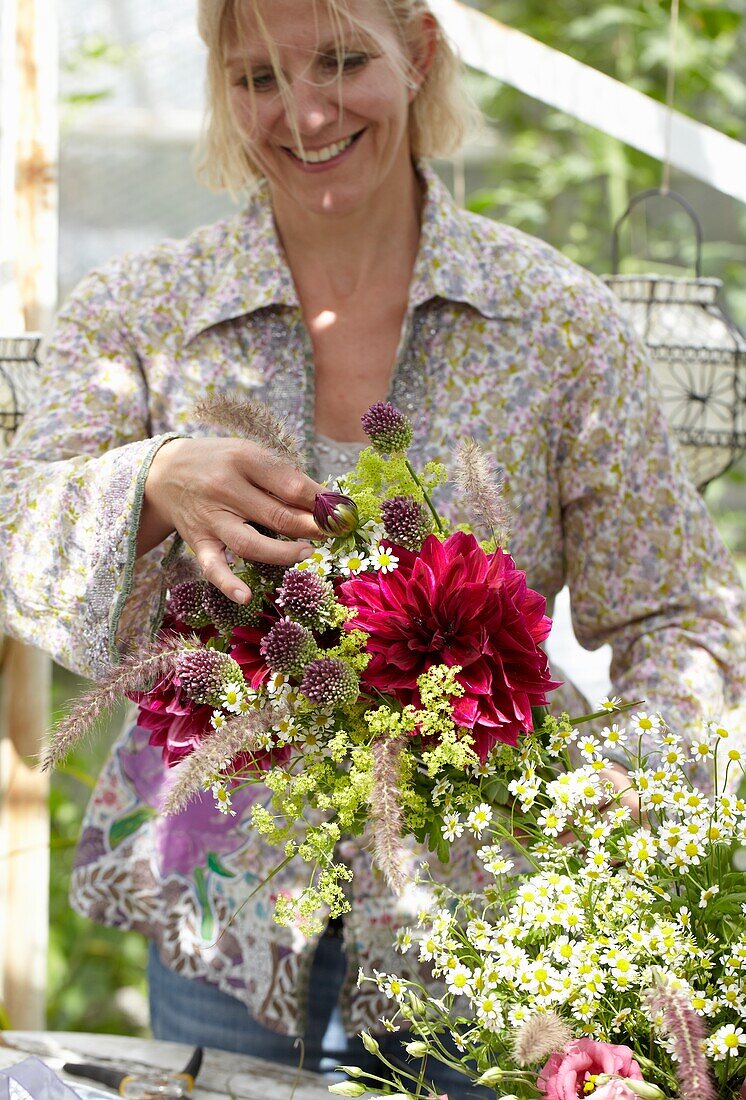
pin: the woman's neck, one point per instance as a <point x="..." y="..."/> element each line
<point x="337" y="257"/>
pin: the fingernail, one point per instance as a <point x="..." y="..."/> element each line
<point x="306" y="552"/>
<point x="238" y="595"/>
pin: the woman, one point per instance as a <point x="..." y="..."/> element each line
<point x="350" y="277"/>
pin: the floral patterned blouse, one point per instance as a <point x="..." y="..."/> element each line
<point x="504" y="340"/>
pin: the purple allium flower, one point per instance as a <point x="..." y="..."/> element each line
<point x="305" y="596"/>
<point x="203" y="673"/>
<point x="329" y="682"/>
<point x="267" y="574"/>
<point x="288" y="647"/>
<point x="406" y="522"/>
<point x="186" y="603"/>
<point x="387" y="428"/>
<point x="335" y="514"/>
<point x="224" y="613"/>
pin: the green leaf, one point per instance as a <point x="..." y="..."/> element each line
<point x="215" y="864"/>
<point x="207" y="924"/>
<point x="496" y="792"/>
<point x="128" y="825"/>
<point x="79" y="774"/>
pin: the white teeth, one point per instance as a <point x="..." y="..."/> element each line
<point x="318" y="156"/>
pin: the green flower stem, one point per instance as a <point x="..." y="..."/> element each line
<point x="605" y="712"/>
<point x="426" y="495"/>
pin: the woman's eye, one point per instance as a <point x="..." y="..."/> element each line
<point x="262" y="80"/>
<point x="344" y="63"/>
<point x="259" y="81"/>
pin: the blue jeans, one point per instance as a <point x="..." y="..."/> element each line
<point x="190" y="1011"/>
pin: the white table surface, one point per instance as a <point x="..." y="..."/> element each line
<point x="222" y="1075"/>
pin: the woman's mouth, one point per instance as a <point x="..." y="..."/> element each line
<point x="325" y="157"/>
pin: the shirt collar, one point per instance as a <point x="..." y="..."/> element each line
<point x="250" y="270"/>
<point x="452" y="263"/>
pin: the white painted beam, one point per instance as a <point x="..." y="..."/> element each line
<point x="592" y="97"/>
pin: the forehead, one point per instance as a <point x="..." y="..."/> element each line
<point x="255" y="25"/>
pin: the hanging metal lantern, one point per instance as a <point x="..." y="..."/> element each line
<point x="697" y="354"/>
<point x="19" y="365"/>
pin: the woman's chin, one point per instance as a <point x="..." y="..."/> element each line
<point x="324" y="197"/>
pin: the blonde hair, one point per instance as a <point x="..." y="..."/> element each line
<point x="440" y="115"/>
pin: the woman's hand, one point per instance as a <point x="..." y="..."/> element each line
<point x="618" y="776"/>
<point x="210" y="489"/>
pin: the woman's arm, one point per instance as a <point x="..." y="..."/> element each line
<point x="85" y="489"/>
<point x="646" y="569"/>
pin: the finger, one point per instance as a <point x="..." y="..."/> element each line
<point x="279" y="516"/>
<point x="248" y="543"/>
<point x="210" y="554"/>
<point x="281" y="480"/>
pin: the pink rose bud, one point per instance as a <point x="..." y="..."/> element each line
<point x="335" y="514"/>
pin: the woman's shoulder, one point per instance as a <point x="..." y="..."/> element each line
<point x="537" y="272"/>
<point x="175" y="270"/>
<point x="172" y="262"/>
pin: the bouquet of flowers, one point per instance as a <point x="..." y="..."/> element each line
<point x="375" y="687"/>
<point x="606" y="956"/>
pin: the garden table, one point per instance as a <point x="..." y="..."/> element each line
<point x="222" y="1075"/>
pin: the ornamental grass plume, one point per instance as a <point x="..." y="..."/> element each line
<point x="134" y="673"/>
<point x="239" y="736"/>
<point x="686" y="1031"/>
<point x="481" y="484"/>
<point x="386" y="812"/>
<point x="255" y="421"/>
<point x="543" y="1034"/>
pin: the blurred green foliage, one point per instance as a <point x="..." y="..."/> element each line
<point x="568" y="183"/>
<point x="96" y="975"/>
<point x="550" y="176"/>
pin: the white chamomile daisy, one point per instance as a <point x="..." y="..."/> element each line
<point x="452" y="827"/>
<point x="588" y="747"/>
<point x="231" y="696"/>
<point x="222" y="797"/>
<point x="320" y="561"/>
<point x="728" y="1039"/>
<point x="352" y="564"/>
<point x="383" y="559"/>
<point x="218" y="720"/>
<point x="643" y="723"/>
<point x="285" y="729"/>
<point x="479" y="818"/>
<point x="613" y="735"/>
<point x="404" y="940"/>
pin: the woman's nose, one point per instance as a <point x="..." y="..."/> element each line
<point x="314" y="106"/>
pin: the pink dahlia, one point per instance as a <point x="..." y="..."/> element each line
<point x="453" y="604"/>
<point x="176" y="723"/>
<point x="567" y="1073"/>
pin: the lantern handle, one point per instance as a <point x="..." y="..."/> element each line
<point x="665" y="193"/>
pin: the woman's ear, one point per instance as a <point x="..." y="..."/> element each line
<point x="424" y="43"/>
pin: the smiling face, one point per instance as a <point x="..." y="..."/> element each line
<point x="322" y="105"/>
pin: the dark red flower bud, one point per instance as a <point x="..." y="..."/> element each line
<point x="335" y="514"/>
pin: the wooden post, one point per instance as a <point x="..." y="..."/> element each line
<point x="28" y="284"/>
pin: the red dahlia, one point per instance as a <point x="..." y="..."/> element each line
<point x="454" y="604"/>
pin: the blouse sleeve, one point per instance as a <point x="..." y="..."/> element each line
<point x="647" y="571"/>
<point x="71" y="493"/>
